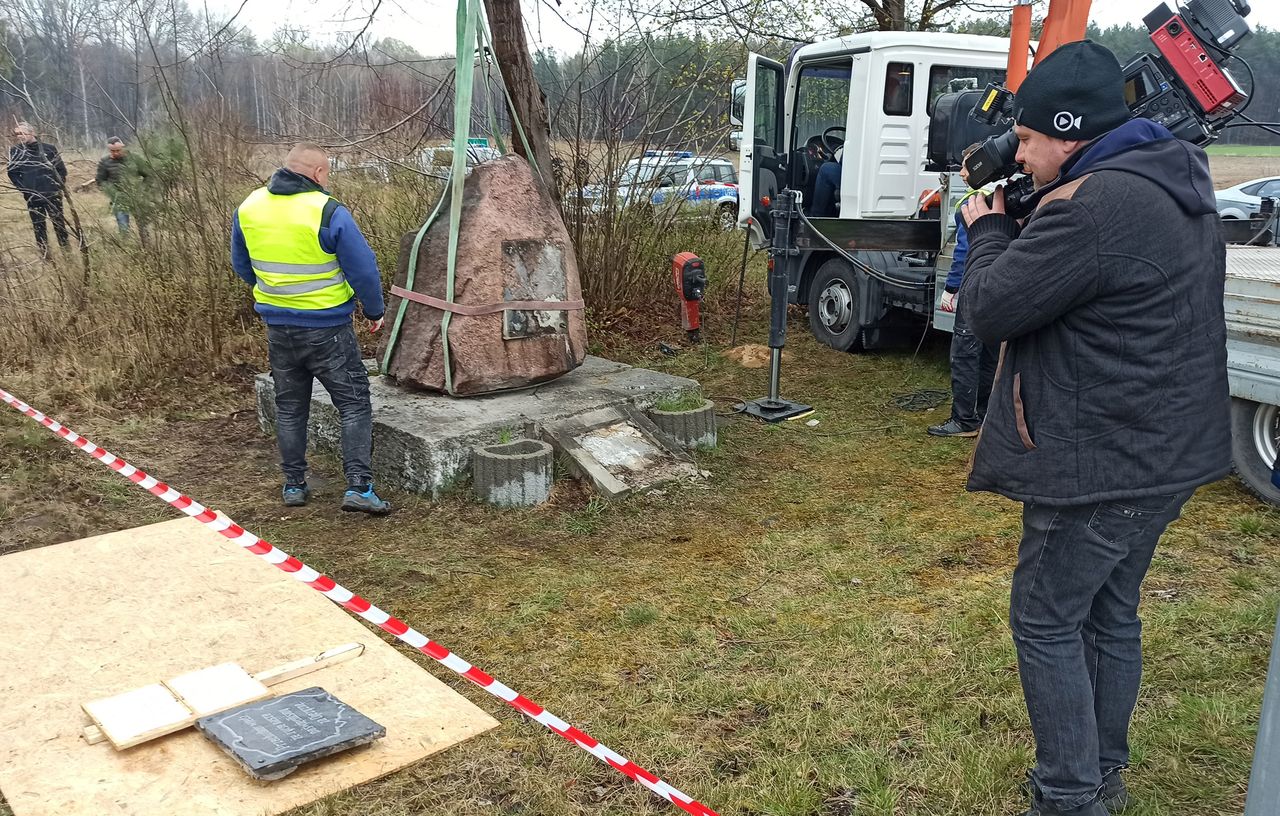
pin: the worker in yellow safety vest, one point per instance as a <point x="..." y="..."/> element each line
<point x="973" y="363"/>
<point x="308" y="263"/>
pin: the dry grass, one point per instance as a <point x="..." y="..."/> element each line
<point x="1229" y="170"/>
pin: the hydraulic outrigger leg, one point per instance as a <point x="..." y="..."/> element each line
<point x="782" y="253"/>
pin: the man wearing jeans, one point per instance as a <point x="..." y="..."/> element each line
<point x="123" y="177"/>
<point x="1110" y="406"/>
<point x="308" y="263"/>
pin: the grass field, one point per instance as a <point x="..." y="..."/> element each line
<point x="1244" y="150"/>
<point x="817" y="630"/>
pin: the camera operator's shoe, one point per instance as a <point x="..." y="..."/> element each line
<point x="952" y="428"/>
<point x="362" y="499"/>
<point x="1115" y="796"/>
<point x="296" y="495"/>
<point x="1039" y="808"/>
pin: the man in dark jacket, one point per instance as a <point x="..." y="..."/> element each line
<point x="37" y="171"/>
<point x="123" y="178"/>
<point x="1110" y="406"/>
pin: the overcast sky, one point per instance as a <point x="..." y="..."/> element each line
<point x="427" y="25"/>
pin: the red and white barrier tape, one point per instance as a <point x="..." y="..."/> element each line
<point x="354" y="603"/>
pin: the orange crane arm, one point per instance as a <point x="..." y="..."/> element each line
<point x="1066" y="21"/>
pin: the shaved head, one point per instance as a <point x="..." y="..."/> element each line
<point x="310" y="160"/>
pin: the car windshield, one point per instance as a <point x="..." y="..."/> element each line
<point x="639" y="172"/>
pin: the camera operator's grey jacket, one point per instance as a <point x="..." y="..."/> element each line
<point x="1109" y="301"/>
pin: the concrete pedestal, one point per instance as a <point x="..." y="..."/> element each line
<point x="422" y="441"/>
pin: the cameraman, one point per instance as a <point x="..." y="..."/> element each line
<point x="1110" y="406"/>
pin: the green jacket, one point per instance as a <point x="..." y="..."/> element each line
<point x="114" y="174"/>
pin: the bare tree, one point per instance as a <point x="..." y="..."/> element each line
<point x="528" y="101"/>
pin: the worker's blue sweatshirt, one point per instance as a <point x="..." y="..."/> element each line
<point x="961" y="251"/>
<point x="339" y="235"/>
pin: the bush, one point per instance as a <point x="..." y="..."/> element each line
<point x="156" y="310"/>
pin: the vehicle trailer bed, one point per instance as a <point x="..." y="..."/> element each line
<point x="1253" y="364"/>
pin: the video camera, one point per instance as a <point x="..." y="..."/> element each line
<point x="1184" y="86"/>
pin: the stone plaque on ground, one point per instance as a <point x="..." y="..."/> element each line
<point x="271" y="738"/>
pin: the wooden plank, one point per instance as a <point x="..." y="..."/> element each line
<point x="297" y="668"/>
<point x="154" y="602"/>
<point x="138" y="715"/>
<point x="277" y="674"/>
<point x="154" y="711"/>
<point x="217" y="688"/>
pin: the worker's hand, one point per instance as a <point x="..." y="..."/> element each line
<point x="948" y="302"/>
<point x="977" y="206"/>
<point x="375" y="325"/>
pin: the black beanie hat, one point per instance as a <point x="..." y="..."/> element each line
<point x="1077" y="92"/>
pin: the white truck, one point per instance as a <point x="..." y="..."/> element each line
<point x="873" y="270"/>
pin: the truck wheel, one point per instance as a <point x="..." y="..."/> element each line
<point x="727" y="217"/>
<point x="1255" y="437"/>
<point x="834" y="305"/>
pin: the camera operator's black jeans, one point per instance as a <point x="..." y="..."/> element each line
<point x="973" y="368"/>
<point x="1074" y="615"/>
<point x="332" y="356"/>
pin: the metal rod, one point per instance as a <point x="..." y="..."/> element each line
<point x="1264" y="781"/>
<point x="775" y="373"/>
<point x="742" y="282"/>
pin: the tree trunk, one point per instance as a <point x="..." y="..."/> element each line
<point x="527" y="99"/>
<point x="84" y="100"/>
<point x="890" y="15"/>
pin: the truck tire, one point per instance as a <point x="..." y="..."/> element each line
<point x="1255" y="436"/>
<point x="727" y="217"/>
<point x="835" y="306"/>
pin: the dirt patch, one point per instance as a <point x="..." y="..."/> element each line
<point x="753" y="355"/>
<point x="1229" y="171"/>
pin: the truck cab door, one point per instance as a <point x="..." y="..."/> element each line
<point x="760" y="158"/>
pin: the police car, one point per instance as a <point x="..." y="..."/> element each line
<point x="671" y="178"/>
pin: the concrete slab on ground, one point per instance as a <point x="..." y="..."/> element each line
<point x="619" y="450"/>
<point x="422" y="441"/>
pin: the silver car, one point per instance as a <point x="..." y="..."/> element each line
<point x="1245" y="200"/>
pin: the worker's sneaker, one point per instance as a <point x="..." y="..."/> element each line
<point x="951" y="428"/>
<point x="362" y="499"/>
<point x="1115" y="796"/>
<point x="296" y="495"/>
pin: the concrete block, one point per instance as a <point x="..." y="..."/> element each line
<point x="513" y="474"/>
<point x="692" y="429"/>
<point x="422" y="442"/>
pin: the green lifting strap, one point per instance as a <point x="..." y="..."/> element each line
<point x="408" y="281"/>
<point x="468" y="12"/>
<point x="488" y="58"/>
<point x="470" y="28"/>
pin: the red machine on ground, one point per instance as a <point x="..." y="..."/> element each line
<point x="690" y="279"/>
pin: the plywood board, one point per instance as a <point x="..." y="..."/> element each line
<point x="90" y="618"/>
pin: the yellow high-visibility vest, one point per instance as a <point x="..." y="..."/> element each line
<point x="293" y="271"/>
